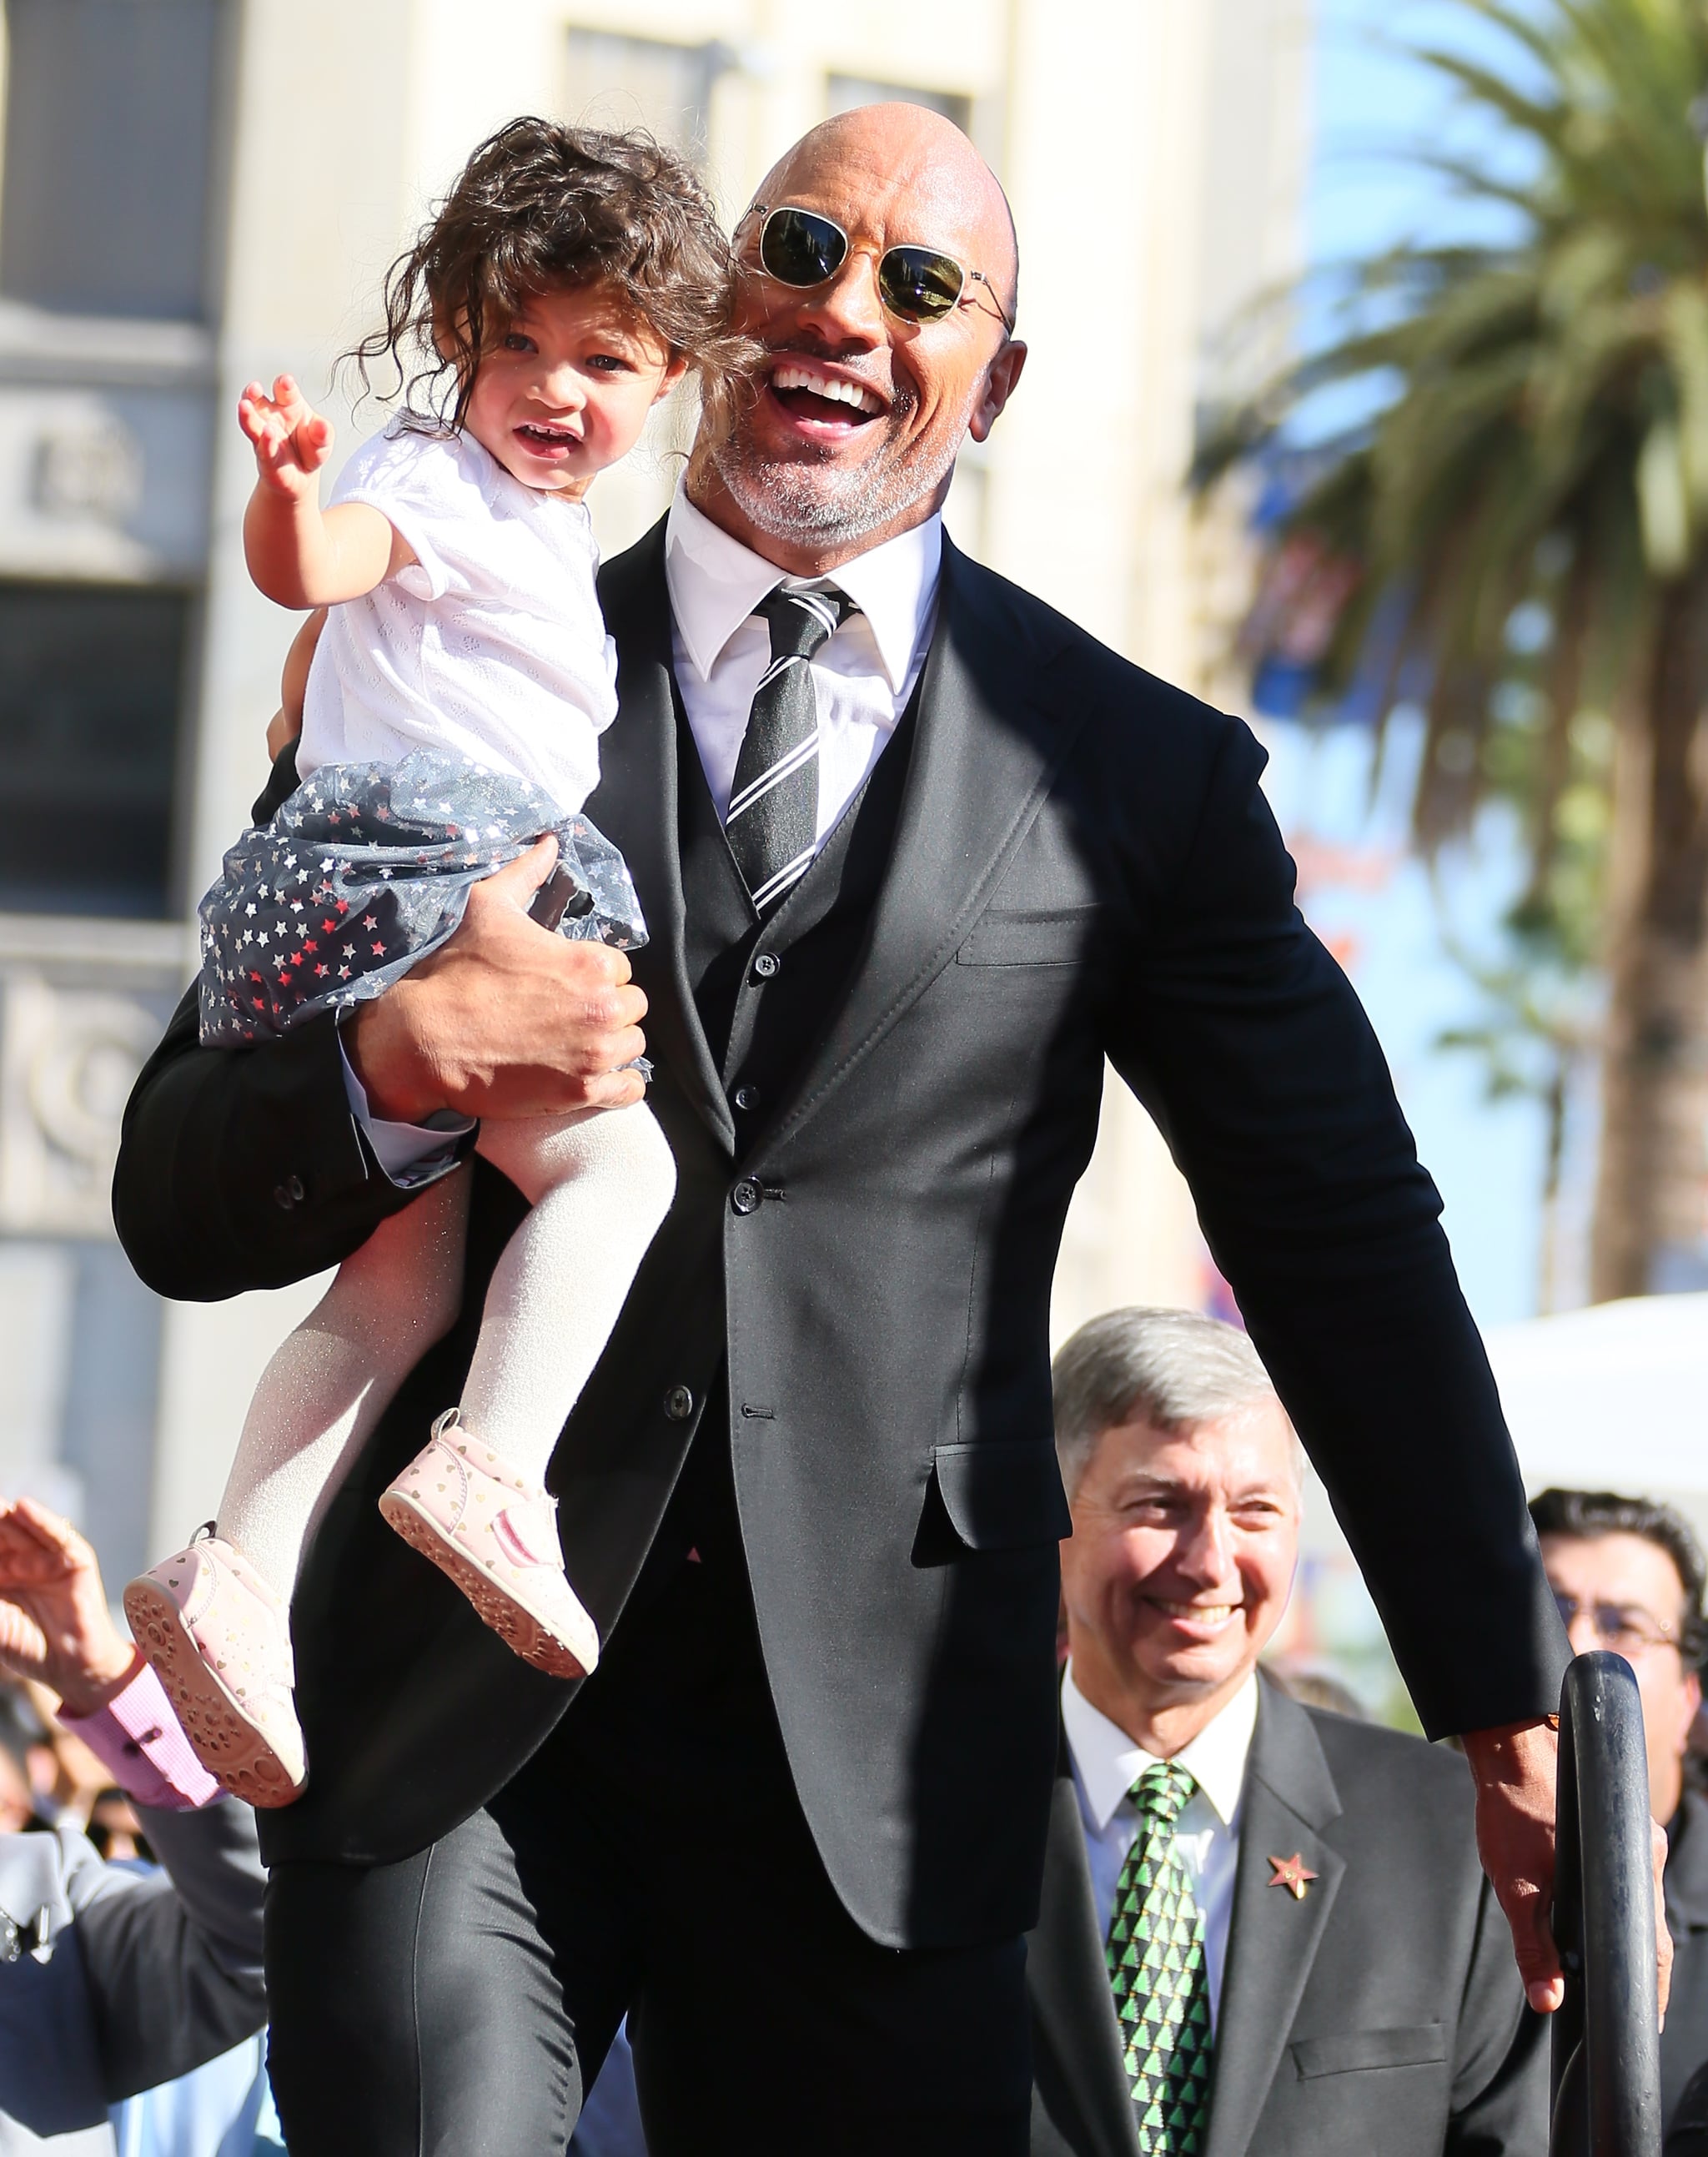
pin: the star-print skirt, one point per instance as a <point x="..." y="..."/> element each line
<point x="366" y="869"/>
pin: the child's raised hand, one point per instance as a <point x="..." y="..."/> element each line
<point x="290" y="438"/>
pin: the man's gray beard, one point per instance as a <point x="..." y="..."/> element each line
<point x="804" y="499"/>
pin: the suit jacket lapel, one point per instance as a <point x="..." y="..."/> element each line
<point x="1070" y="1984"/>
<point x="986" y="748"/>
<point x="1289" y="1798"/>
<point x="635" y="806"/>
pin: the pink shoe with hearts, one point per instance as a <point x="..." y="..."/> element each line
<point x="219" y="1636"/>
<point x="495" y="1534"/>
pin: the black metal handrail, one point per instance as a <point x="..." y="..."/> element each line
<point x="1606" y="2044"/>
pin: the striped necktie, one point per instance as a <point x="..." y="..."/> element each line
<point x="772" y="819"/>
<point x="1157" y="1972"/>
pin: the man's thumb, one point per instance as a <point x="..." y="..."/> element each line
<point x="518" y="881"/>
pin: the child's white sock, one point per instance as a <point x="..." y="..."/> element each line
<point x="599" y="1184"/>
<point x="334" y="1378"/>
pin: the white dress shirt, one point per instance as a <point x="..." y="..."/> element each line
<point x="863" y="677"/>
<point x="1106" y="1765"/>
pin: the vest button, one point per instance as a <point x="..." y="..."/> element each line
<point x="679" y="1403"/>
<point x="747" y="1198"/>
<point x="765" y="966"/>
<point x="747" y="1097"/>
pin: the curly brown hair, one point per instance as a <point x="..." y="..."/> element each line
<point x="539" y="207"/>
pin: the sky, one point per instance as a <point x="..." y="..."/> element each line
<point x="1374" y="906"/>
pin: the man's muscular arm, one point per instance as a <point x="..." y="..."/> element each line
<point x="243" y="1168"/>
<point x="215" y="1146"/>
<point x="1252" y="1051"/>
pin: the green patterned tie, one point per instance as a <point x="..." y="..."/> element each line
<point x="1155" y="1955"/>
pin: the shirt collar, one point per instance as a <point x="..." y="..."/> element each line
<point x="1108" y="1762"/>
<point x="715" y="582"/>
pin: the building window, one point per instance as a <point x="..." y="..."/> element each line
<point x="618" y="82"/>
<point x="109" y="143"/>
<point x="849" y="92"/>
<point x="91" y="684"/>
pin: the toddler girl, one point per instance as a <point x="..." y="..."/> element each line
<point x="452" y="717"/>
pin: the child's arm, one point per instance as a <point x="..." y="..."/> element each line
<point x="299" y="554"/>
<point x="286" y="722"/>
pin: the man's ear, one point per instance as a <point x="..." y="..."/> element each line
<point x="1000" y="379"/>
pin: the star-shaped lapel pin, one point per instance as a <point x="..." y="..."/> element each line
<point x="1293" y="1874"/>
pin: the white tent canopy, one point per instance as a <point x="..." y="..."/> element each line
<point x="1613" y="1397"/>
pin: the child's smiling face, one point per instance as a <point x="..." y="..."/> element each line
<point x="566" y="389"/>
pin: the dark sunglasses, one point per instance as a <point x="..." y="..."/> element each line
<point x="798" y="247"/>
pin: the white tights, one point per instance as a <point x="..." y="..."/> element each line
<point x="598" y="1183"/>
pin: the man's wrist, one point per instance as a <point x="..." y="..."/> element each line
<point x="1496" y="1754"/>
<point x="377" y="1042"/>
<point x="410" y="1155"/>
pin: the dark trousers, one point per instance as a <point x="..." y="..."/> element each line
<point x="651" y="1858"/>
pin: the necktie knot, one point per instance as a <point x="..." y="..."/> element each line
<point x="1162" y="1791"/>
<point x="801" y="622"/>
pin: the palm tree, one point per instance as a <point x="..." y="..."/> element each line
<point x="1528" y="510"/>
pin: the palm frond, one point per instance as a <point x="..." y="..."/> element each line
<point x="1535" y="428"/>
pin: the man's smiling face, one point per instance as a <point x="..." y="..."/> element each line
<point x="852" y="431"/>
<point x="1182" y="1557"/>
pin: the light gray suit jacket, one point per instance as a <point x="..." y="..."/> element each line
<point x="118" y="1980"/>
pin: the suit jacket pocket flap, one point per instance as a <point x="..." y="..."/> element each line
<point x="1032" y="936"/>
<point x="1003" y="1494"/>
<point x="1423" y="2045"/>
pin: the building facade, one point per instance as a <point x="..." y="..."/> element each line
<point x="194" y="193"/>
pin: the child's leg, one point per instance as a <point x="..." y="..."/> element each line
<point x="334" y="1378"/>
<point x="598" y="1183"/>
<point x="213" y="1619"/>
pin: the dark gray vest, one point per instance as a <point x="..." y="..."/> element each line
<point x="766" y="992"/>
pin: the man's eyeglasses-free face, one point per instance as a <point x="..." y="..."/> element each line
<point x="800" y="247"/>
<point x="1626" y="1628"/>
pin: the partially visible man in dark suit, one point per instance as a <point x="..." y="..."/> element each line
<point x="1687" y="2131"/>
<point x="1264" y="1929"/>
<point x="1628" y="1575"/>
<point x="811" y="1493"/>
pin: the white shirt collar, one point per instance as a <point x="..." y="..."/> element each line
<point x="715" y="582"/>
<point x="1108" y="1762"/>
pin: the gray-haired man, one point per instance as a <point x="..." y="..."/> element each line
<point x="1264" y="1927"/>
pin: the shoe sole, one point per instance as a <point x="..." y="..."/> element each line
<point x="512" y="1620"/>
<point x="229" y="1744"/>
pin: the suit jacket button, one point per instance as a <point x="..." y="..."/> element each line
<point x="679" y="1403"/>
<point x="766" y="965"/>
<point x="289" y="1193"/>
<point x="747" y="1097"/>
<point x="747" y="1196"/>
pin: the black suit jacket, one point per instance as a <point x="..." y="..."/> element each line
<point x="1684" y="2043"/>
<point x="1083" y="866"/>
<point x="1381" y="2012"/>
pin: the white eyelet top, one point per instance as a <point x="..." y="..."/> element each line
<point x="489" y="647"/>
